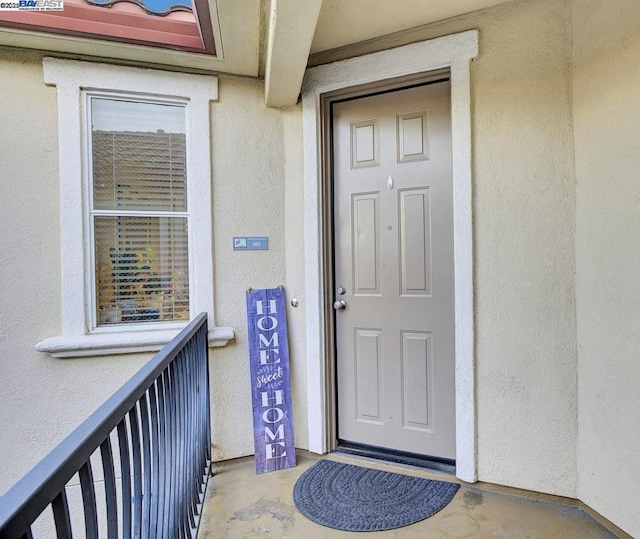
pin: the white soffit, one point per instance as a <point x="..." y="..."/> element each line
<point x="343" y="22"/>
<point x="291" y="31"/>
<point x="240" y="35"/>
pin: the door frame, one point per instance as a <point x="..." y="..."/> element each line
<point x="395" y="68"/>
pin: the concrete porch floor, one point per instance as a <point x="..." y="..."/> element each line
<point x="240" y="504"/>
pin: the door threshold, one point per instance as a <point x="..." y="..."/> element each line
<point x="398" y="457"/>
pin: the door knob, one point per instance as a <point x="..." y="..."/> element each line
<point x="339" y="305"/>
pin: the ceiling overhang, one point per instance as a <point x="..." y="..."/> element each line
<point x="289" y="42"/>
<point x="224" y="36"/>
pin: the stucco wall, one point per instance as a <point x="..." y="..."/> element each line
<point x="606" y="104"/>
<point x="524" y="218"/>
<point x="41" y="399"/>
<point x="294" y="265"/>
<point x="251" y="164"/>
<point x="526" y="252"/>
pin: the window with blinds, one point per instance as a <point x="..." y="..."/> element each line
<point x="139" y="218"/>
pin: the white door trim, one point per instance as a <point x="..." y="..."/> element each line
<point x="455" y="52"/>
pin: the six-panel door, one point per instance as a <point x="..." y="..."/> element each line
<point x="394" y="258"/>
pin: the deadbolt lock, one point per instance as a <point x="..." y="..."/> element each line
<point x="342" y="290"/>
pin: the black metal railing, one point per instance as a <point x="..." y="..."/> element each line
<point x="160" y="422"/>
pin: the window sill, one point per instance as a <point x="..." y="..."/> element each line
<point x="122" y="343"/>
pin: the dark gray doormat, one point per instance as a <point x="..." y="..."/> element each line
<point x="357" y="499"/>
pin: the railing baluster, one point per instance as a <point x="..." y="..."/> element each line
<point x="173" y="442"/>
<point x="187" y="441"/>
<point x="188" y="436"/>
<point x="198" y="465"/>
<point x="111" y="496"/>
<point x="155" y="460"/>
<point x="199" y="437"/>
<point x="194" y="480"/>
<point x="60" y="508"/>
<point x="198" y="440"/>
<point x="171" y="425"/>
<point x="201" y="431"/>
<point x="178" y="447"/>
<point x="161" y="418"/>
<point x="206" y="397"/>
<point x="89" y="501"/>
<point x="146" y="454"/>
<point x="163" y="508"/>
<point x="137" y="473"/>
<point x="201" y="356"/>
<point x="181" y="443"/>
<point x="125" y="470"/>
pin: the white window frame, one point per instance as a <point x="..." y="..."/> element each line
<point x="74" y="80"/>
<point x="92" y="212"/>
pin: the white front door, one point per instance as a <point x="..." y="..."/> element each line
<point x="393" y="226"/>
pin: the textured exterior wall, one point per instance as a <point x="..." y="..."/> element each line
<point x="41" y="399"/>
<point x="249" y="199"/>
<point x="294" y="262"/>
<point x="525" y="248"/>
<point x="607" y="133"/>
<point x="524" y="244"/>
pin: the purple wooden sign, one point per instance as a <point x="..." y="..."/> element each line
<point x="270" y="385"/>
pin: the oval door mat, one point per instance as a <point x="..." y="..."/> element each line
<point x="356" y="499"/>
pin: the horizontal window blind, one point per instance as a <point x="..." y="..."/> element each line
<point x="139" y="171"/>
<point x="141" y="262"/>
<point x="142" y="269"/>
